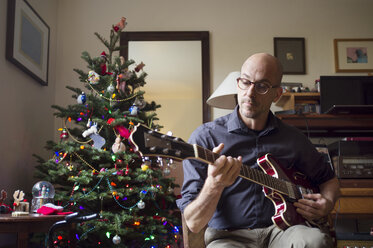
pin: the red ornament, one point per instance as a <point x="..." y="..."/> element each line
<point x="110" y="120"/>
<point x="103" y="56"/>
<point x="139" y="67"/>
<point x="124" y="132"/>
<point x="64" y="134"/>
<point x="120" y="25"/>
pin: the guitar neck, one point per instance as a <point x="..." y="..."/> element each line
<point x="246" y="172"/>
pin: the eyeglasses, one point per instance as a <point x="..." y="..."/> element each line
<point x="261" y="87"/>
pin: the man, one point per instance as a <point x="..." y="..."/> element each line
<point x="236" y="210"/>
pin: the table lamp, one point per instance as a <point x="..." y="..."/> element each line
<point x="226" y="94"/>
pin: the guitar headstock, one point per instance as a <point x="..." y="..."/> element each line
<point x="150" y="143"/>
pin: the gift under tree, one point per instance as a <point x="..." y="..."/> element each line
<point x="94" y="168"/>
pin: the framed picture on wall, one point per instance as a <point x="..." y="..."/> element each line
<point x="291" y="53"/>
<point x="353" y="55"/>
<point x="27" y="41"/>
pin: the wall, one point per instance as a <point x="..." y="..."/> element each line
<point x="237" y="29"/>
<point x="27" y="120"/>
<point x="26" y="117"/>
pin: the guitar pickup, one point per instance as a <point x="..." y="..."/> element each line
<point x="304" y="191"/>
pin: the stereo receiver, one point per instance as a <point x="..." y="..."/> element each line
<point x="353" y="166"/>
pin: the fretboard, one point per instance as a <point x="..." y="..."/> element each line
<point x="246" y="172"/>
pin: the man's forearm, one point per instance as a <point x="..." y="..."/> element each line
<point x="330" y="190"/>
<point x="199" y="212"/>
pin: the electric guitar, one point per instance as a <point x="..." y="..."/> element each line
<point x="282" y="186"/>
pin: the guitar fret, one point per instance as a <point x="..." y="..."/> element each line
<point x="209" y="156"/>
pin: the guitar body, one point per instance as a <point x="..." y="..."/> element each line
<point x="285" y="212"/>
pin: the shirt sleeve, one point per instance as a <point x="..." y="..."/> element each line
<point x="316" y="166"/>
<point x="195" y="173"/>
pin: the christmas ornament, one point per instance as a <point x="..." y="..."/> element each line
<point x="93" y="77"/>
<point x="4" y="209"/>
<point x="120" y="25"/>
<point x="121" y="84"/>
<point x="134" y="110"/>
<point x="122" y="60"/>
<point x="103" y="57"/>
<point x="170" y="190"/>
<point x="126" y="74"/>
<point x="98" y="141"/>
<point x="118" y="146"/>
<point x="89" y="123"/>
<point x="139" y="67"/>
<point x="141" y="204"/>
<point x="19" y="206"/>
<point x="64" y="134"/>
<point x="140" y="103"/>
<point x="103" y="64"/>
<point x="110" y="120"/>
<point x="116" y="240"/>
<point x="91" y="130"/>
<point x="124" y="132"/>
<point x="81" y="98"/>
<point x="166" y="171"/>
<point x="110" y="89"/>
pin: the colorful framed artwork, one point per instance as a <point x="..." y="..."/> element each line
<point x="291" y="53"/>
<point x="27" y="42"/>
<point x="353" y="55"/>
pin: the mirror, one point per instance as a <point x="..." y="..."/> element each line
<point x="178" y="68"/>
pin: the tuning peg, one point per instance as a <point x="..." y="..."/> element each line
<point x="152" y="149"/>
<point x="178" y="153"/>
<point x="166" y="150"/>
<point x="169" y="133"/>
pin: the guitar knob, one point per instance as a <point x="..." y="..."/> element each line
<point x="176" y="139"/>
<point x="178" y="153"/>
<point x="169" y="133"/>
<point x="153" y="148"/>
<point x="166" y="150"/>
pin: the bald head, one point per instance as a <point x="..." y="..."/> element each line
<point x="265" y="63"/>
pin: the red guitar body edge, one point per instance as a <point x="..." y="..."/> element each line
<point x="285" y="212"/>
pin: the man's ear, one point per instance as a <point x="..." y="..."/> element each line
<point x="278" y="94"/>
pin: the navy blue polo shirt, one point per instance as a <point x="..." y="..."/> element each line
<point x="243" y="204"/>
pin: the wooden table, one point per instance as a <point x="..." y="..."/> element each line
<point x="24" y="225"/>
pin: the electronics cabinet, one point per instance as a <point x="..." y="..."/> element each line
<point x="356" y="201"/>
<point x="294" y="101"/>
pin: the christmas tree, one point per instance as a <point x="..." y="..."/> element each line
<point x="94" y="168"/>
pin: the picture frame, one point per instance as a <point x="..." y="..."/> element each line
<point x="353" y="55"/>
<point x="27" y="41"/>
<point x="291" y="53"/>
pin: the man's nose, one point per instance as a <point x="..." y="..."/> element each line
<point x="251" y="90"/>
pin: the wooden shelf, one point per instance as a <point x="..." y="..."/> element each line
<point x="289" y="100"/>
<point x="355" y="200"/>
<point x="323" y="125"/>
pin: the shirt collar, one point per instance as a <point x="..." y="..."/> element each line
<point x="235" y="123"/>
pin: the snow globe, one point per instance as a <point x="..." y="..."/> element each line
<point x="42" y="193"/>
